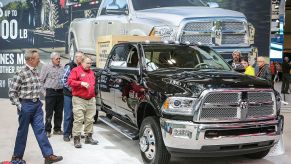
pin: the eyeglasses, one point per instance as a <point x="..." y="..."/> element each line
<point x="58" y="58"/>
<point x="89" y="63"/>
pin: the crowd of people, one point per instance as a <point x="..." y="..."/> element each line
<point x="68" y="89"/>
<point x="272" y="72"/>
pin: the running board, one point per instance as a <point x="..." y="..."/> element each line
<point x="121" y="127"/>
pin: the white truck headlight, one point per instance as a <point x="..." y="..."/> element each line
<point x="178" y="105"/>
<point x="165" y="32"/>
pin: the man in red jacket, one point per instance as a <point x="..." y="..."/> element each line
<point x="82" y="81"/>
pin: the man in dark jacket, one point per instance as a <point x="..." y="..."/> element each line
<point x="68" y="113"/>
<point x="286" y="75"/>
<point x="262" y="69"/>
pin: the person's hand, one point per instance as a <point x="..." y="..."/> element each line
<point x="18" y="109"/>
<point x="85" y="84"/>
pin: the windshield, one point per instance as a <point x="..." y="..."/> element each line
<point x="149" y="4"/>
<point x="197" y="58"/>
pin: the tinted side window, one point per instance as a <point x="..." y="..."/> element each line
<point x="103" y="10"/>
<point x="119" y="56"/>
<point x="120" y="4"/>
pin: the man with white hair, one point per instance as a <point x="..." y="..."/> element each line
<point x="51" y="79"/>
<point x="262" y="69"/>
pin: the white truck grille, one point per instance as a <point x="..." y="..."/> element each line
<point x="215" y="32"/>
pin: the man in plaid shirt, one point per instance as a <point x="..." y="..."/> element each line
<point x="24" y="92"/>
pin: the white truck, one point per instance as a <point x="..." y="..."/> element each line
<point x="193" y="21"/>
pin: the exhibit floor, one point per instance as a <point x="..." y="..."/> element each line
<point x="113" y="148"/>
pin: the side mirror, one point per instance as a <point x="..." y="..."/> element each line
<point x="115" y="9"/>
<point x="212" y="4"/>
<point x="125" y="70"/>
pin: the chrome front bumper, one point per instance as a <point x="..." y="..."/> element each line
<point x="190" y="137"/>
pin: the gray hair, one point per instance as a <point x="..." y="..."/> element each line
<point x="55" y="54"/>
<point x="79" y="53"/>
<point x="236" y="51"/>
<point x="29" y="54"/>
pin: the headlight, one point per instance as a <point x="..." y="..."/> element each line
<point x="178" y="105"/>
<point x="165" y="32"/>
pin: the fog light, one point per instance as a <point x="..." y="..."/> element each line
<point x="182" y="133"/>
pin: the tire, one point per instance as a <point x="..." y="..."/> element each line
<point x="258" y="155"/>
<point x="72" y="49"/>
<point x="152" y="147"/>
<point x="49" y="15"/>
<point x="96" y="117"/>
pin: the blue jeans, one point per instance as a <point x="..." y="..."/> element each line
<point x="68" y="116"/>
<point x="31" y="113"/>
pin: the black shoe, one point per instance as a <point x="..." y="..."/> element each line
<point x="48" y="134"/>
<point x="90" y="140"/>
<point x="77" y="142"/>
<point x="58" y="132"/>
<point x="52" y="159"/>
<point x="66" y="138"/>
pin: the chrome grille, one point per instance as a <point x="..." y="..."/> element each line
<point x="232" y="26"/>
<point x="233" y="39"/>
<point x="215" y="32"/>
<point x="260" y="111"/>
<point x="259" y="96"/>
<point x="198" y="26"/>
<point x="229" y="98"/>
<point x="218" y="113"/>
<point x="204" y="39"/>
<point x="236" y="105"/>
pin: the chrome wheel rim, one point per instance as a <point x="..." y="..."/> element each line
<point x="148" y="143"/>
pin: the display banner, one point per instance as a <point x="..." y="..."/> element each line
<point x="67" y="26"/>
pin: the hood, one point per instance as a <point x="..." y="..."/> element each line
<point x="174" y="15"/>
<point x="192" y="83"/>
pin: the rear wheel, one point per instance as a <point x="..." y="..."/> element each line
<point x="258" y="155"/>
<point x="152" y="147"/>
<point x="49" y="15"/>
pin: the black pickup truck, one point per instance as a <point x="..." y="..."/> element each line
<point x="186" y="100"/>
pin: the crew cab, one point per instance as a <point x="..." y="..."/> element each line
<point x="186" y="100"/>
<point x="193" y="21"/>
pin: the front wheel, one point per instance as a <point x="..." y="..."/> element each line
<point x="152" y="147"/>
<point x="258" y="155"/>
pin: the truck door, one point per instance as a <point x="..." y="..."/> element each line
<point x="108" y="79"/>
<point x="115" y="12"/>
<point x="129" y="92"/>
